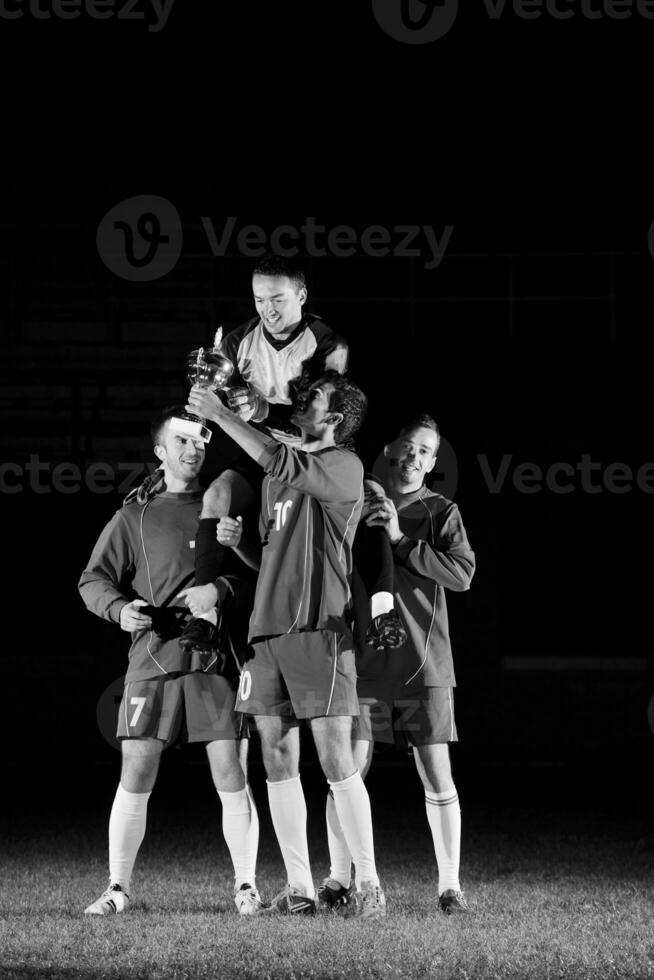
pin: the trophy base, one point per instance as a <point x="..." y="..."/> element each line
<point x="191" y="426"/>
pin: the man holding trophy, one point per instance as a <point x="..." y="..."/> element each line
<point x="303" y="661"/>
<point x="272" y="357"/>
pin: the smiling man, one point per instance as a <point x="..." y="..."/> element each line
<point x="140" y="569"/>
<point x="303" y="665"/>
<point x="275" y="354"/>
<point x="406" y="694"/>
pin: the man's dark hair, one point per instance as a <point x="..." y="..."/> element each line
<point x="350" y="401"/>
<point x="158" y="423"/>
<point x="423" y="421"/>
<point x="275" y="265"/>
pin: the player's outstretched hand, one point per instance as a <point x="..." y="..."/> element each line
<point x="131" y="620"/>
<point x="205" y="403"/>
<point x="200" y="598"/>
<point x="229" y="531"/>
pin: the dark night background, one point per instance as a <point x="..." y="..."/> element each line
<point x="531" y="338"/>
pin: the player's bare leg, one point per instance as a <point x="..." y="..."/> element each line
<point x="240" y="820"/>
<point x="140" y="765"/>
<point x="333" y="738"/>
<point x="444" y="817"/>
<point x="229" y="495"/>
<point x="280" y="749"/>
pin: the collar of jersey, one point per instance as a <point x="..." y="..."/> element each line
<point x="281" y="344"/>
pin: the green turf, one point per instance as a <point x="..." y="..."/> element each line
<point x="550" y="897"/>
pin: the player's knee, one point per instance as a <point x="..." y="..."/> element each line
<point x="217" y="498"/>
<point x="139" y="775"/>
<point x="279" y="762"/>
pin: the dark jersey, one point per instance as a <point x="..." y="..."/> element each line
<point x="433" y="555"/>
<point x="147" y="552"/>
<point x="310" y="507"/>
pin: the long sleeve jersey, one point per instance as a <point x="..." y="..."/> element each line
<point x="147" y="552"/>
<point x="276" y="368"/>
<point x="432" y="556"/>
<point x="310" y="507"/>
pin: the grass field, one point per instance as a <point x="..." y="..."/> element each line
<point x="557" y="891"/>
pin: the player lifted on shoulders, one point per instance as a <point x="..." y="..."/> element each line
<point x="303" y="664"/>
<point x="139" y="571"/>
<point x="277" y="352"/>
<point x="406" y="695"/>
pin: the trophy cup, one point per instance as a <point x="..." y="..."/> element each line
<point x="208" y="367"/>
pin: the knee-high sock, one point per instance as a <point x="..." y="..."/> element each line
<point x="241" y="832"/>
<point x="126" y="833"/>
<point x="340" y="858"/>
<point x="288" y="810"/>
<point x="353" y="808"/>
<point x="373" y="558"/>
<point x="444" y="816"/>
<point x="209" y="555"/>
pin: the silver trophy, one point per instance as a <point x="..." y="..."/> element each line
<point x="208" y="367"/>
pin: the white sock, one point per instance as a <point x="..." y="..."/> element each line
<point x="126" y="833"/>
<point x="352" y="805"/>
<point x="241" y="833"/>
<point x="339" y="853"/>
<point x="288" y="810"/>
<point x="381" y="602"/>
<point x="211" y="616"/>
<point x="444" y="816"/>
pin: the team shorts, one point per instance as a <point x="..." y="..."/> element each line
<point x="425" y="718"/>
<point x="193" y="707"/>
<point x="310" y="674"/>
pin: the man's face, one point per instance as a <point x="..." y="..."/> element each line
<point x="412" y="456"/>
<point x="312" y="407"/>
<point x="278" y="302"/>
<point x="182" y="457"/>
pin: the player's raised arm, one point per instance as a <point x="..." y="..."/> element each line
<point x="327" y="476"/>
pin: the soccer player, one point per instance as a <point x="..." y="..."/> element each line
<point x="138" y="576"/>
<point x="275" y="354"/>
<point x="303" y="664"/>
<point x="406" y="694"/>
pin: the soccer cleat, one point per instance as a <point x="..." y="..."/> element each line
<point x="199" y="634"/>
<point x="248" y="900"/>
<point x="452" y="902"/>
<point x="331" y="896"/>
<point x="290" y="901"/>
<point x="111" y="902"/>
<point x="373" y="901"/>
<point x="386" y="632"/>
